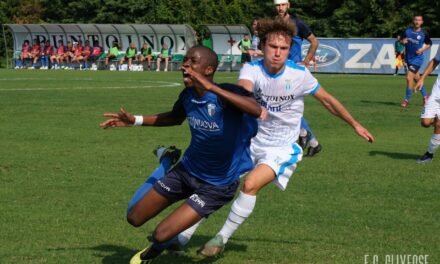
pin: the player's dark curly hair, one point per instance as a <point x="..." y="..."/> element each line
<point x="268" y="26"/>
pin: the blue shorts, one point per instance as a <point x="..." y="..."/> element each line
<point x="414" y="68"/>
<point x="203" y="197"/>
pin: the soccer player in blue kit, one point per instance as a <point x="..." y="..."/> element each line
<point x="416" y="42"/>
<point x="306" y="136"/>
<point x="222" y="121"/>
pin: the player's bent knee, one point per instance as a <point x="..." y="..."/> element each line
<point x="426" y="122"/>
<point x="134" y="220"/>
<point x="250" y="187"/>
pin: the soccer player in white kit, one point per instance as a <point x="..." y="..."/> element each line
<point x="279" y="86"/>
<point x="431" y="113"/>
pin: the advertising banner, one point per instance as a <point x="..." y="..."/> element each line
<point x="370" y="56"/>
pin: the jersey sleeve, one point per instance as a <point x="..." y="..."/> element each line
<point x="233" y="88"/>
<point x="178" y="108"/>
<point x="428" y="40"/>
<point x="303" y="30"/>
<point x="247" y="72"/>
<point x="310" y="84"/>
<point x="236" y="89"/>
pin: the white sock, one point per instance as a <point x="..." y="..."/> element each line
<point x="240" y="210"/>
<point x="302" y="132"/>
<point x="313" y="142"/>
<point x="186" y="235"/>
<point x="434" y="143"/>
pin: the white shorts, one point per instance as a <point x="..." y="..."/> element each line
<point x="432" y="108"/>
<point x="282" y="160"/>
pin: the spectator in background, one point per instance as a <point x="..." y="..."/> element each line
<point x="399" y="50"/>
<point x="244" y="45"/>
<point x="130" y="55"/>
<point x="81" y="58"/>
<point x="96" y="52"/>
<point x="58" y="57"/>
<point x="255" y="51"/>
<point x="165" y="54"/>
<point x="68" y="55"/>
<point x="146" y="54"/>
<point x="77" y="53"/>
<point x="46" y="53"/>
<point x="198" y="37"/>
<point x="113" y="52"/>
<point x="207" y="40"/>
<point x="24" y="54"/>
<point x="35" y="53"/>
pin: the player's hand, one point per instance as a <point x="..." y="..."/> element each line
<point x="363" y="132"/>
<point x="197" y="78"/>
<point x="263" y="114"/>
<point x="419" y="51"/>
<point x="121" y="119"/>
<point x="306" y="62"/>
<point x="405" y="40"/>
<point x="419" y="85"/>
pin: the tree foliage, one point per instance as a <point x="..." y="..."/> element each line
<point x="327" y="18"/>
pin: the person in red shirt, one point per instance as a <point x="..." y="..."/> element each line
<point x="96" y="53"/>
<point x="24" y="54"/>
<point x="77" y="53"/>
<point x="35" y="53"/>
<point x="58" y="57"/>
<point x="46" y="52"/>
<point x="87" y="51"/>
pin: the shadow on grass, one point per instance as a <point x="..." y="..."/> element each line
<point x="115" y="254"/>
<point x="380" y="103"/>
<point x="395" y="155"/>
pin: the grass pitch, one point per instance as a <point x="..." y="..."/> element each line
<point x="66" y="183"/>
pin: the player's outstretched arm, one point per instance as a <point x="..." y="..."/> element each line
<point x="313" y="40"/>
<point x="336" y="108"/>
<point x="125" y="119"/>
<point x="431" y="66"/>
<point x="246" y="104"/>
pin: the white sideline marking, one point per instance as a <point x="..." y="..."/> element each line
<point x="158" y="85"/>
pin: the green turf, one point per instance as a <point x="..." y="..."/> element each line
<point x="65" y="183"/>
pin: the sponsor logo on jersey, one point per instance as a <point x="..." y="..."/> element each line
<point x="197" y="199"/>
<point x="325" y="55"/>
<point x="270" y="108"/>
<point x="211" y="109"/>
<point x="203" y="124"/>
<point x="414" y="41"/>
<point x="288" y="85"/>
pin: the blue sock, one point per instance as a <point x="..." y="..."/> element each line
<point x="19" y="63"/>
<point x="165" y="165"/>
<point x="423" y="91"/>
<point x="408" y="94"/>
<point x="43" y="62"/>
<point x="305" y="125"/>
<point x="47" y="61"/>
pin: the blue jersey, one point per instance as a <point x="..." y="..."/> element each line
<point x="220" y="136"/>
<point x="302" y="32"/>
<point x="416" y="40"/>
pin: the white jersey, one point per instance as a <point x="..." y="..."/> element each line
<point x="432" y="107"/>
<point x="283" y="97"/>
